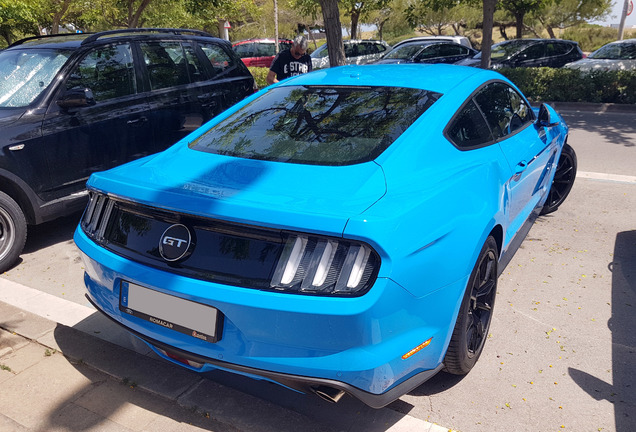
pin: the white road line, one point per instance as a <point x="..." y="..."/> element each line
<point x="618" y="178"/>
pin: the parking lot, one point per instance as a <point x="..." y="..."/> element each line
<point x="562" y="344"/>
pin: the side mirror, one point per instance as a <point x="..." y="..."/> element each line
<point x="545" y="118"/>
<point x="76" y="98"/>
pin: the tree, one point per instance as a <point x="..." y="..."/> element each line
<point x="567" y="13"/>
<point x="361" y="9"/>
<point x="333" y="30"/>
<point x="519" y="9"/>
<point x="17" y="18"/>
<point x="489" y="13"/>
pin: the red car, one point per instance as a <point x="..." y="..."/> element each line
<point x="259" y="52"/>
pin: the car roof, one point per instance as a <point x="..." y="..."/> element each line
<point x="76" y="40"/>
<point x="265" y="40"/>
<point x="420" y="76"/>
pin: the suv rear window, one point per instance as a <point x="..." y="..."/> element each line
<point x="318" y="125"/>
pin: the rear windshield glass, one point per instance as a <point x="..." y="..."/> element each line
<point x="318" y="125"/>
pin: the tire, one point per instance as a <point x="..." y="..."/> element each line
<point x="13" y="231"/>
<point x="475" y="313"/>
<point x="563" y="180"/>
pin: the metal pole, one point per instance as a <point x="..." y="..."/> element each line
<point x="621" y="26"/>
<point x="276" y="23"/>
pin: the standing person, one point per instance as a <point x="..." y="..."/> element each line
<point x="291" y="62"/>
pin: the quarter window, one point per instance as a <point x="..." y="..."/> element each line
<point x="218" y="58"/>
<point x="108" y="71"/>
<point x="469" y="129"/>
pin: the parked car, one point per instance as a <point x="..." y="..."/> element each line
<point x="339" y="232"/>
<point x="260" y="52"/>
<point x="619" y="55"/>
<point x="462" y="40"/>
<point x="530" y="53"/>
<point x="74" y="104"/>
<point x="356" y="52"/>
<point x="428" y="52"/>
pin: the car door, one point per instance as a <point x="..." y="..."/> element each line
<point x="228" y="81"/>
<point x="174" y="76"/>
<point x="532" y="56"/>
<point x="529" y="156"/>
<point x="111" y="130"/>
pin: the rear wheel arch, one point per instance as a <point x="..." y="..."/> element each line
<point x="18" y="194"/>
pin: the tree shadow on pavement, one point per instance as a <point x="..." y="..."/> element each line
<point x="621" y="392"/>
<point x="617" y="129"/>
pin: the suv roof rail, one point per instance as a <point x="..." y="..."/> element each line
<point x="93" y="37"/>
<point x="21" y="41"/>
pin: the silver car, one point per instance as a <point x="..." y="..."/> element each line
<point x="356" y="52"/>
<point x="619" y="55"/>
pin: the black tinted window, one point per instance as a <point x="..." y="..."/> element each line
<point x="469" y="128"/>
<point x="108" y="71"/>
<point x="219" y="59"/>
<point x="505" y="110"/>
<point x="166" y="64"/>
<point x="318" y="125"/>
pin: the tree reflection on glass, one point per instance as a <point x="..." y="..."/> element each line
<point x="326" y="125"/>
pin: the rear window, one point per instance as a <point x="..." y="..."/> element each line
<point x="318" y="125"/>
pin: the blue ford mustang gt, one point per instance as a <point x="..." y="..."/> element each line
<point x="340" y="232"/>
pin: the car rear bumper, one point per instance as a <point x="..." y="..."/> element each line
<point x="362" y="346"/>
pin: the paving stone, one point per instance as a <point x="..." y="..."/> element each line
<point x="10" y="342"/>
<point x="23" y="323"/>
<point x="32" y="397"/>
<point x="76" y="418"/>
<point x="27" y="356"/>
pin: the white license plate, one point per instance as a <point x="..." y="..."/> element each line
<point x="185" y="316"/>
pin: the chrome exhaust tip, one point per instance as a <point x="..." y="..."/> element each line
<point x="329" y="394"/>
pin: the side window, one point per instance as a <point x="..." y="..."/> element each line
<point x="195" y="68"/>
<point x="469" y="128"/>
<point x="533" y="52"/>
<point x="350" y="50"/>
<point x="219" y="59"/>
<point x="429" y="52"/>
<point x="166" y="64"/>
<point x="244" y="50"/>
<point x="380" y="48"/>
<point x="505" y="110"/>
<point x="108" y="71"/>
<point x="448" y="50"/>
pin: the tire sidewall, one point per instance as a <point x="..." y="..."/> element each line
<point x="14" y="231"/>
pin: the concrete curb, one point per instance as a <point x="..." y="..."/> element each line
<point x="79" y="333"/>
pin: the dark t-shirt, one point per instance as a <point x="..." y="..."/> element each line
<point x="285" y="65"/>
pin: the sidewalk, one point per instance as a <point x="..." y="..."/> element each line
<point x="57" y="377"/>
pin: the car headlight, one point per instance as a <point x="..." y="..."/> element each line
<point x="325" y="265"/>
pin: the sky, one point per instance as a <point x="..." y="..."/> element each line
<point x="617" y="10"/>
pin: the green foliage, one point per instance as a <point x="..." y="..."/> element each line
<point x="567" y="85"/>
<point x="591" y="37"/>
<point x="260" y="76"/>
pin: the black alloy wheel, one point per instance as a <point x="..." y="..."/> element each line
<point x="475" y="313"/>
<point x="563" y="180"/>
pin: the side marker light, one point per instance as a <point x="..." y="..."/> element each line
<point x="416" y="349"/>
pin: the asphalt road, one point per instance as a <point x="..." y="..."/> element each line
<point x="561" y="353"/>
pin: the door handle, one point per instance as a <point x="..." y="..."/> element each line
<point x="141" y="119"/>
<point x="519" y="169"/>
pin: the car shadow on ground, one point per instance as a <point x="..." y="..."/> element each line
<point x="50" y="233"/>
<point x="621" y="392"/>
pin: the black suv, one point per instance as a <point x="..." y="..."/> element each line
<point x="74" y="104"/>
<point x="530" y="53"/>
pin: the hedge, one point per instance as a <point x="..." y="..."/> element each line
<point x="568" y="85"/>
<point x="555" y="85"/>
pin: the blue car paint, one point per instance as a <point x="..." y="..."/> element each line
<point x="358" y="341"/>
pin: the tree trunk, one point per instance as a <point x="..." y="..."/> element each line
<point x="333" y="31"/>
<point x="134" y="17"/>
<point x="519" y="24"/>
<point x="355" y="17"/>
<point x="58" y="15"/>
<point x="489" y="14"/>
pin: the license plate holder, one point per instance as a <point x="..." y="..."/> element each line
<point x="184" y="316"/>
